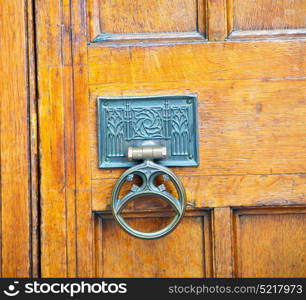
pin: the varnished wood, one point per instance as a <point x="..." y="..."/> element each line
<point x="54" y="84"/>
<point x="251" y="127"/>
<point x="84" y="216"/>
<point x="218" y="191"/>
<point x="133" y="16"/>
<point x="69" y="108"/>
<point x="202" y="17"/>
<point x="34" y="145"/>
<point x="201" y="61"/>
<point x="222" y="232"/>
<point x="142" y="20"/>
<point x="125" y="256"/>
<point x="217" y="24"/>
<point x="267" y="34"/>
<point x="246" y="201"/>
<point x="269" y="14"/>
<point x="241" y="121"/>
<point x="15" y="79"/>
<point x="270" y="243"/>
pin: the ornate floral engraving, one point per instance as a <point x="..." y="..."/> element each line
<point x="147" y="123"/>
<point x="115" y="132"/>
<point x="180" y="131"/>
<point x="164" y="120"/>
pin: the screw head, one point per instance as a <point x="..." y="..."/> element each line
<point x="130" y="177"/>
<point x="162" y="187"/>
<point x="166" y="177"/>
<point x="135" y="188"/>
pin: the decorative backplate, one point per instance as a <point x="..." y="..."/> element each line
<point x="169" y="121"/>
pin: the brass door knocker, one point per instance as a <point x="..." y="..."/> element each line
<point x="148" y="171"/>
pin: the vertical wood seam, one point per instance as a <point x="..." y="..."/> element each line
<point x="33" y="141"/>
<point x="230" y="16"/>
<point x="74" y="140"/>
<point x="223" y="258"/>
<point x="236" y="237"/>
<point x="85" y="262"/>
<point x="1" y="228"/>
<point x="28" y="131"/>
<point x="64" y="135"/>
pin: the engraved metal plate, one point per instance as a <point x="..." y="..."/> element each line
<point x="169" y="121"/>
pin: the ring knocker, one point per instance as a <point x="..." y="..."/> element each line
<point x="148" y="171"/>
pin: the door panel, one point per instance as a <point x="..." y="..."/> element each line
<point x="18" y="152"/>
<point x="266" y="18"/>
<point x="269" y="242"/>
<point x="251" y="135"/>
<point x="269" y="14"/>
<point x="136" y="17"/>
<point x="115" y="20"/>
<point x="240" y="121"/>
<point x="168" y="257"/>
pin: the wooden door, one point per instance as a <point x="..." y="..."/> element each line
<point x="18" y="142"/>
<point x="245" y="60"/>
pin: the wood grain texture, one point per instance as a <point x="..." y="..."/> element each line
<point x="267" y="34"/>
<point x="218" y="191"/>
<point x="245" y="126"/>
<point x="135" y="16"/>
<point x="252" y="142"/>
<point x="166" y="257"/>
<point x="56" y="141"/>
<point x="269" y="14"/>
<point x="217" y="24"/>
<point x="69" y="119"/>
<point x="84" y="215"/>
<point x="202" y="17"/>
<point x="270" y="243"/>
<point x="34" y="145"/>
<point x="67" y="222"/>
<point x="14" y="141"/>
<point x="201" y="61"/>
<point x="93" y="18"/>
<point x="222" y="233"/>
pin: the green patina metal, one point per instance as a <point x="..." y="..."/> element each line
<point x="148" y="171"/>
<point x="169" y="121"/>
<point x="161" y="128"/>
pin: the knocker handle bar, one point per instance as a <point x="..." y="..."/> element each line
<point x="148" y="171"/>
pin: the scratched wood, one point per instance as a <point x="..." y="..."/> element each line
<point x="222" y="232"/>
<point x="132" y="16"/>
<point x="220" y="191"/>
<point x="84" y="214"/>
<point x="270" y="243"/>
<point x="34" y="145"/>
<point x="15" y="161"/>
<point x="56" y="141"/>
<point x="252" y="142"/>
<point x="130" y="20"/>
<point x="240" y="123"/>
<point x="167" y="257"/>
<point x="217" y="15"/>
<point x="269" y="14"/>
<point x="202" y="61"/>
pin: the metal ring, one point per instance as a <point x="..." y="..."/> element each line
<point x="148" y="171"/>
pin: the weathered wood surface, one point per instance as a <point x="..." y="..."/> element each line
<point x="252" y="142"/>
<point x="270" y="243"/>
<point x="16" y="78"/>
